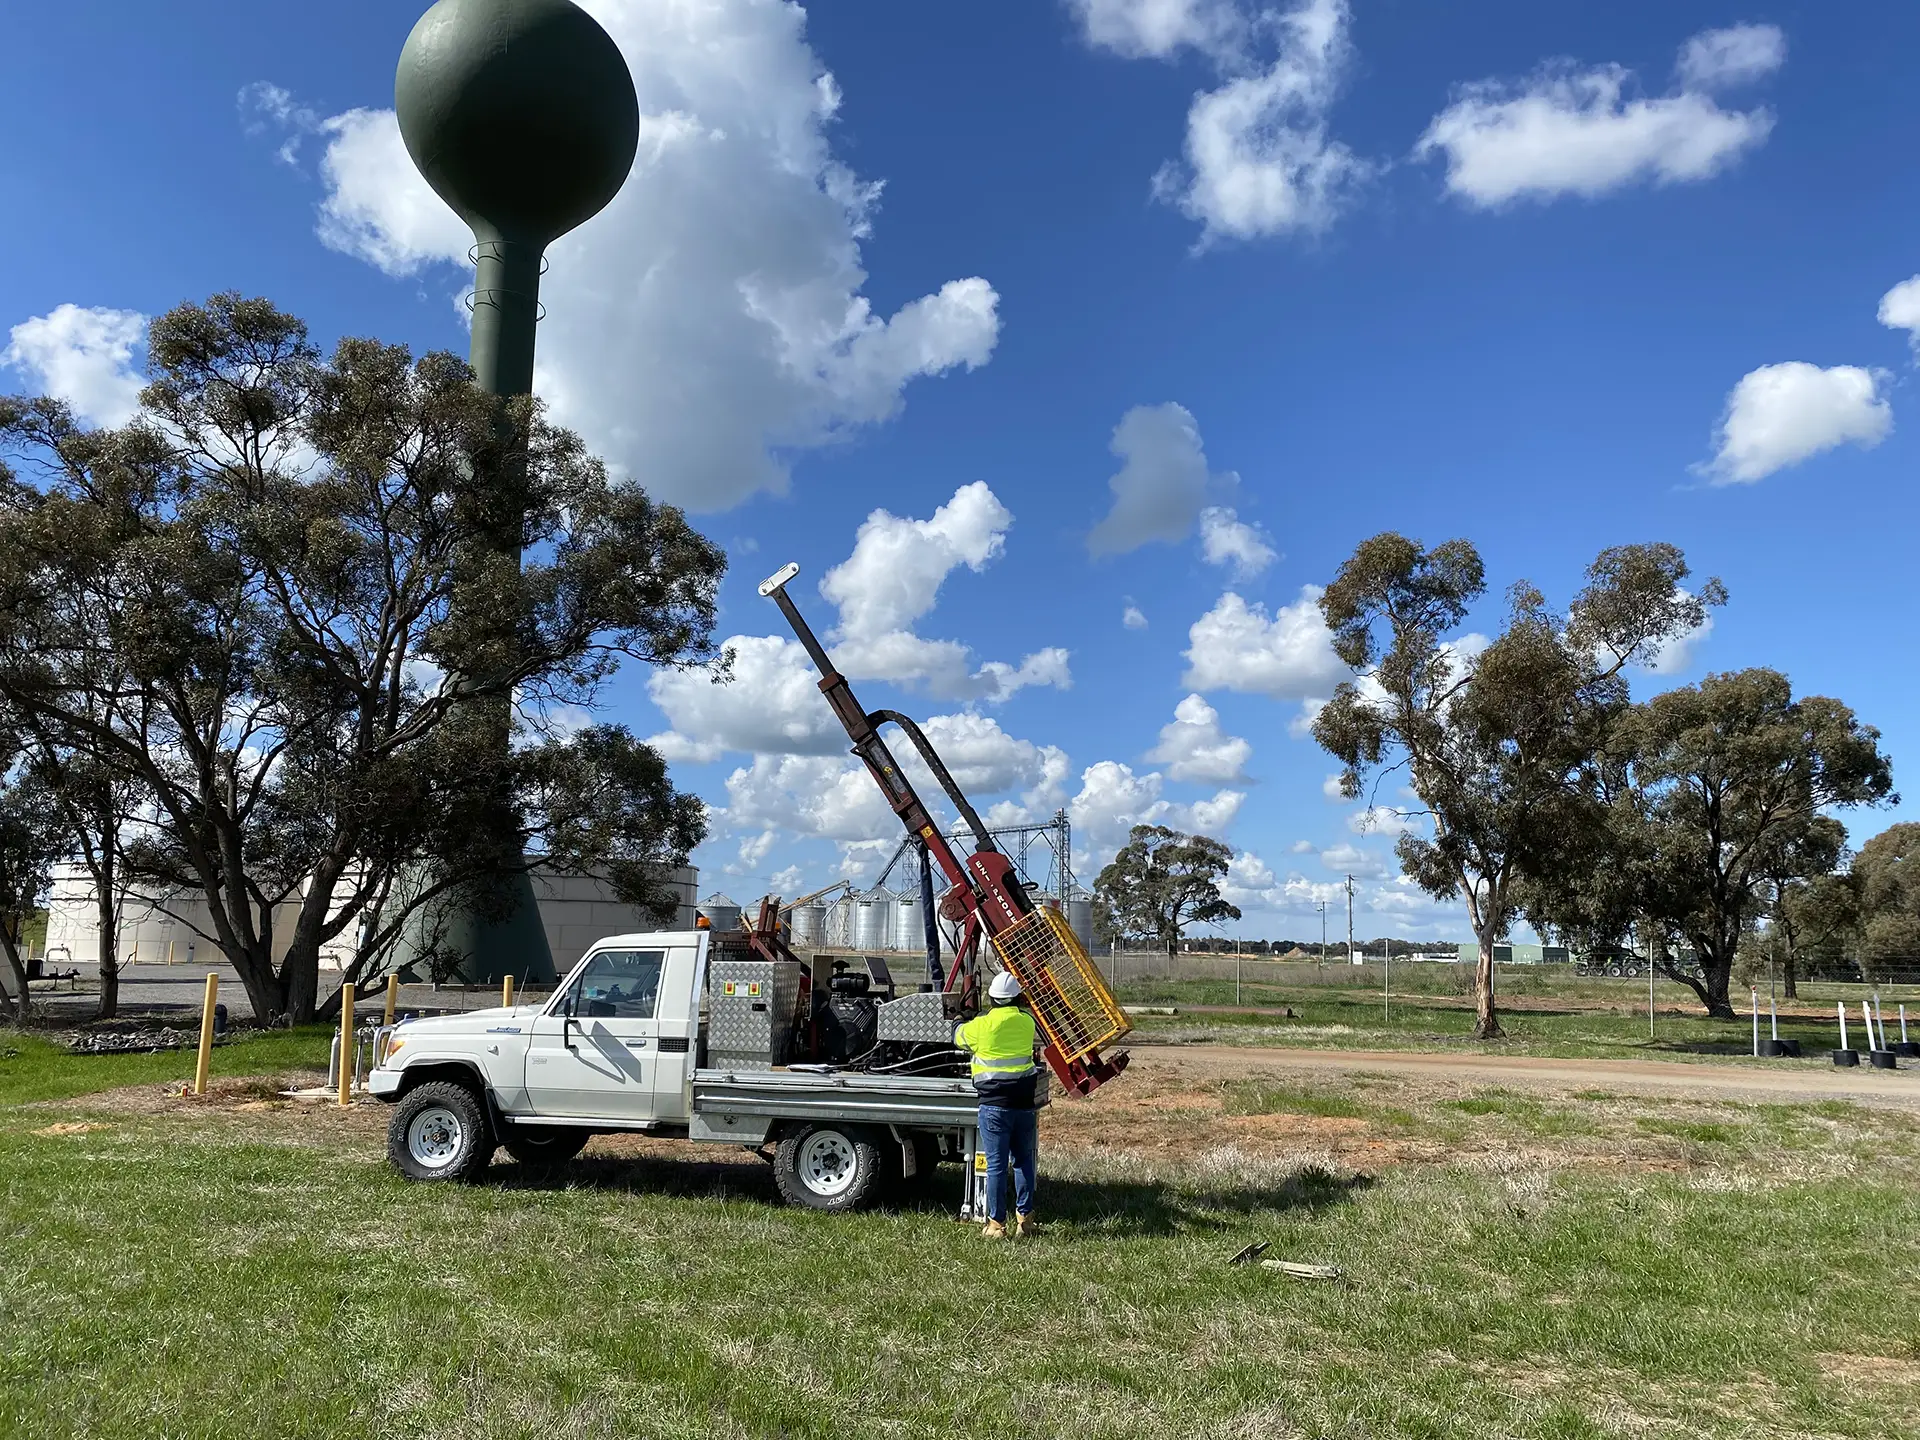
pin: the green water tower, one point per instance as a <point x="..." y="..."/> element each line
<point x="522" y="116"/>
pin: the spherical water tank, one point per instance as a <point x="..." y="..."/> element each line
<point x="872" y="920"/>
<point x="809" y="923"/>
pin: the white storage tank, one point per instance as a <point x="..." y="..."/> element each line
<point x="909" y="928"/>
<point x="1080" y="918"/>
<point x="809" y="924"/>
<point x="721" y="912"/>
<point x="872" y="920"/>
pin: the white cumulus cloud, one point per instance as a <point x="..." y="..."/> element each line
<point x="1226" y="539"/>
<point x="1259" y="159"/>
<point x="1194" y="746"/>
<point x="1287" y="655"/>
<point x="1900" y="309"/>
<point x="1162" y="482"/>
<point x="771" y="705"/>
<point x="1157" y="29"/>
<point x="1133" y="618"/>
<point x="1572" y="131"/>
<point x="709" y="323"/>
<point x="1737" y="55"/>
<point x="1779" y="415"/>
<point x="891" y="581"/>
<point x="1112" y="800"/>
<point x="83" y="356"/>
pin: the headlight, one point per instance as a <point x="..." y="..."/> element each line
<point x="393" y="1048"/>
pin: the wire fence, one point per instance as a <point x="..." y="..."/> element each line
<point x="1893" y="980"/>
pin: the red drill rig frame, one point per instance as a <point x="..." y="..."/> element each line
<point x="985" y="896"/>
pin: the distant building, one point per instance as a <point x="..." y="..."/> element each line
<point x="575" y="911"/>
<point x="1516" y="954"/>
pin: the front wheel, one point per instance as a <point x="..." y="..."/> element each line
<point x="439" y="1132"/>
<point x="542" y="1146"/>
<point x="828" y="1167"/>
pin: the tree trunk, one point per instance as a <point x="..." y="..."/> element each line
<point x="1789" y="979"/>
<point x="109" y="910"/>
<point x="16" y="973"/>
<point x="1716" y="973"/>
<point x="265" y="991"/>
<point x="1486" y="1020"/>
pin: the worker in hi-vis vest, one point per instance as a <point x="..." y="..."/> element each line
<point x="1004" y="1076"/>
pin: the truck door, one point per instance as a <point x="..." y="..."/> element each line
<point x="594" y="1050"/>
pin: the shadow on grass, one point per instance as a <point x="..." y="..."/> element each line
<point x="1112" y="1207"/>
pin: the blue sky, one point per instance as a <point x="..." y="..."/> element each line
<point x="1548" y="277"/>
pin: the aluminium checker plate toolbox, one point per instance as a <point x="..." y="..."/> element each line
<point x="750" y="1013"/>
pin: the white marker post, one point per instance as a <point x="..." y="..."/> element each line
<point x="1756" y="1024"/>
<point x="1846" y="1057"/>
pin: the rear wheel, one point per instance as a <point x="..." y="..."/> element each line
<point x="439" y="1132"/>
<point x="829" y="1167"/>
<point x="543" y="1146"/>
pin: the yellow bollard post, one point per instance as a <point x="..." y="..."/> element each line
<point x="506" y="992"/>
<point x="206" y="1035"/>
<point x="346" y="1043"/>
<point x="393" y="996"/>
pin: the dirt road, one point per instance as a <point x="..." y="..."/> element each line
<point x="1807" y="1079"/>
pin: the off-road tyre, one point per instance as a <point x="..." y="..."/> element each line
<point x="830" y="1166"/>
<point x="440" y="1132"/>
<point x="545" y="1147"/>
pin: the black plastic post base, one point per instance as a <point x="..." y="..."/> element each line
<point x="1883" y="1059"/>
<point x="1846" y="1059"/>
<point x="1908" y="1048"/>
<point x="1774" y="1049"/>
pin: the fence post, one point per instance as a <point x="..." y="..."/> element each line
<point x="393" y="997"/>
<point x="346" y="1043"/>
<point x="506" y="993"/>
<point x="206" y="1035"/>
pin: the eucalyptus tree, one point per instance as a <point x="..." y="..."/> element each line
<point x="1502" y="741"/>
<point x="1735" y="776"/>
<point x="1160" y="882"/>
<point x="280" y="561"/>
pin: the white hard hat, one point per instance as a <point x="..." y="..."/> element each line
<point x="1004" y="986"/>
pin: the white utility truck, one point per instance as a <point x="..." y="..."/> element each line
<point x="731" y="1038"/>
<point x="663" y="1035"/>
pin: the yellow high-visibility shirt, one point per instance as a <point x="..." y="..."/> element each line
<point x="1001" y="1041"/>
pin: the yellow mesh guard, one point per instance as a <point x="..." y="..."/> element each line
<point x="1071" y="1002"/>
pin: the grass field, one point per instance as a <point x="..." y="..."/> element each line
<point x="1514" y="1264"/>
<point x="1548" y="1014"/>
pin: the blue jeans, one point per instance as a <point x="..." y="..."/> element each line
<point x="1010" y="1136"/>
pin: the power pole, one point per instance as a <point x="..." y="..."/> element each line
<point x="1386" y="972"/>
<point x="1350" y="959"/>
<point x="1321" y="958"/>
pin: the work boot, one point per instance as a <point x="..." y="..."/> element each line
<point x="994" y="1231"/>
<point x="1025" y="1225"/>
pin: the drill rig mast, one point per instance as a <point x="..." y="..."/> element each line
<point x="1076" y="1013"/>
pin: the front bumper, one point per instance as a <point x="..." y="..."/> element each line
<point x="383" y="1084"/>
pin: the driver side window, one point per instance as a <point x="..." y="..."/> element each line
<point x="617" y="985"/>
